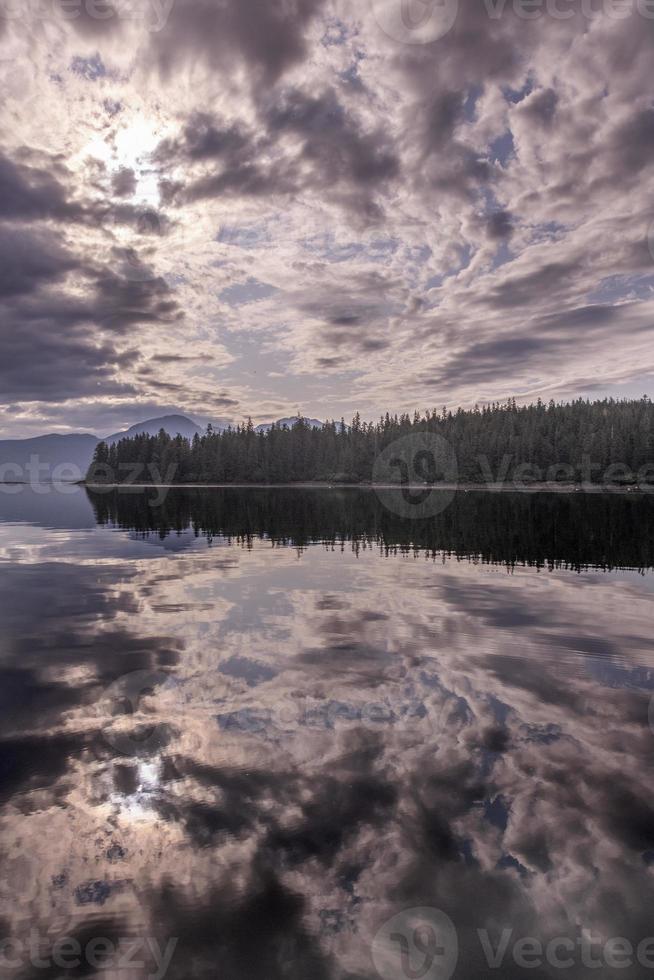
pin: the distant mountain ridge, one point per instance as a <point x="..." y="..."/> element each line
<point x="75" y="450"/>
<point x="290" y="422"/>
<point x="16" y="455"/>
<point x="173" y="424"/>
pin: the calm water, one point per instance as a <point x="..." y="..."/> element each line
<point x="243" y="731"/>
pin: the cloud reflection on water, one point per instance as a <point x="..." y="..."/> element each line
<point x="346" y="733"/>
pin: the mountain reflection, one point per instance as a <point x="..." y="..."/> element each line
<point x="264" y="753"/>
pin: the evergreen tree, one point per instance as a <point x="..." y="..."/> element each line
<point x="608" y="440"/>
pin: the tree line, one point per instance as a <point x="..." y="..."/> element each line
<point x="608" y="440"/>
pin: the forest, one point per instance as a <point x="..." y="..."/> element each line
<point x="606" y="441"/>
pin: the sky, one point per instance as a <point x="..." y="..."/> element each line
<point x="234" y="208"/>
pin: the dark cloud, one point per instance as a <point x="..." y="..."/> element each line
<point x="540" y="107"/>
<point x="633" y="143"/>
<point x="480" y="361"/>
<point x="334" y="149"/>
<point x="40" y="366"/>
<point x="123" y="182"/>
<point x="176" y="358"/>
<point x="267" y="39"/>
<point x="55" y="342"/>
<point x="205" y="140"/>
<point x="235" y="152"/>
<point x="524" y="290"/>
<point x="442" y="117"/>
<point x="121" y="302"/>
<point x="333" y="141"/>
<point x="500" y="225"/>
<point x="29" y="193"/>
<point x="583" y="317"/>
<point x="30" y="259"/>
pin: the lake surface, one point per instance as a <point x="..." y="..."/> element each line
<point x="296" y="733"/>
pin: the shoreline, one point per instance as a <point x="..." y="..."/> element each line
<point x="506" y="487"/>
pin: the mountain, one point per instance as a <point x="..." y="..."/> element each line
<point x="50" y="451"/>
<point x="74" y="451"/>
<point x="314" y="423"/>
<point x="173" y="424"/>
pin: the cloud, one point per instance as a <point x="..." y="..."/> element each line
<point x="31" y="193"/>
<point x="30" y="259"/>
<point x="124" y="182"/>
<point x="65" y="329"/>
<point x="266" y="40"/>
<point x="465" y="219"/>
<point x="500" y="225"/>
